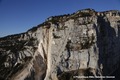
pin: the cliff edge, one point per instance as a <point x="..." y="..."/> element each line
<point x="85" y="43"/>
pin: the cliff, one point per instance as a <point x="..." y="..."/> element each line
<point x="85" y="43"/>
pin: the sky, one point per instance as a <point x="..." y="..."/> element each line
<point x="17" y="16"/>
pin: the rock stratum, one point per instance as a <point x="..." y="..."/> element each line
<point x="85" y="43"/>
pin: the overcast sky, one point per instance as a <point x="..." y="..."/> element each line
<point x="18" y="16"/>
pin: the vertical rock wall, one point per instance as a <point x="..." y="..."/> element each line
<point x="85" y="43"/>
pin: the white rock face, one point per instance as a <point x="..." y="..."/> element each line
<point x="85" y="43"/>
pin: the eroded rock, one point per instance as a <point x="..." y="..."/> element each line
<point x="85" y="43"/>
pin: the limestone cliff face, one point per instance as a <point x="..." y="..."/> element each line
<point x="80" y="44"/>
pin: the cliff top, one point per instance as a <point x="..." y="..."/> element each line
<point x="62" y="18"/>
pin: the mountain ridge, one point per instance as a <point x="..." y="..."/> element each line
<point x="43" y="23"/>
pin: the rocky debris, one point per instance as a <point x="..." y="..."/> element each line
<point x="85" y="43"/>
